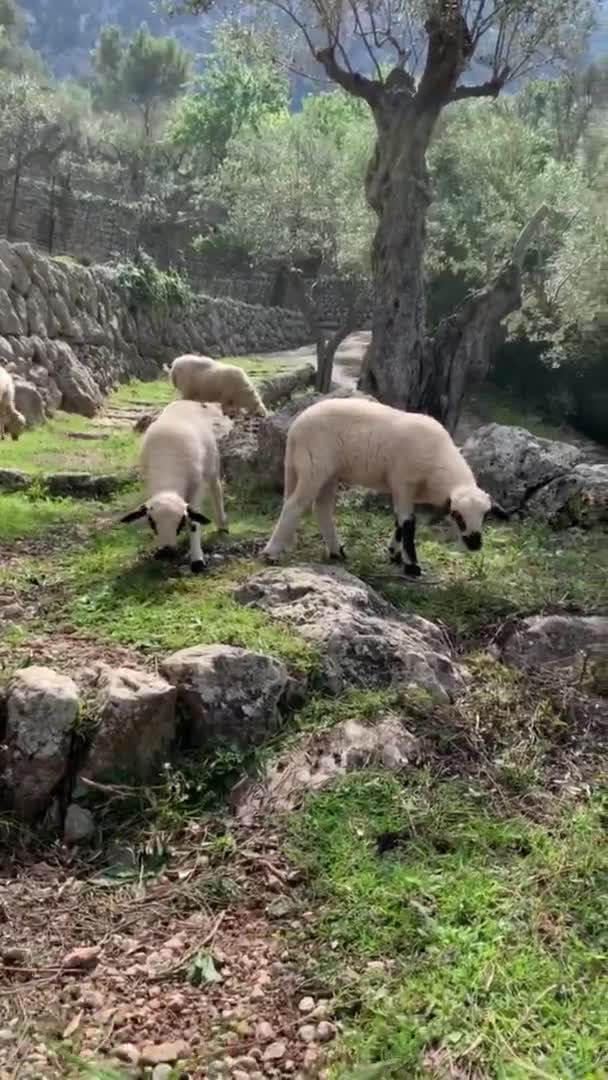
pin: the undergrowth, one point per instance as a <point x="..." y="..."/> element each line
<point x="147" y="285"/>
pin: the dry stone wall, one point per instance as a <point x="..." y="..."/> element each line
<point x="68" y="335"/>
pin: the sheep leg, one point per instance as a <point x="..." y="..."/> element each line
<point x="403" y="543"/>
<point x="198" y="562"/>
<point x="293" y="508"/>
<point x="217" y="504"/>
<point x="324" y="508"/>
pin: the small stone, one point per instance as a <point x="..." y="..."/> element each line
<point x="82" y="959"/>
<point x="238" y="1074"/>
<point x="280" y="907"/>
<point x="6" y="1035"/>
<point x="14" y="955"/>
<point x="308" y="1033"/>
<point x="264" y="1031"/>
<point x="326" y="1031"/>
<point x="161" y="1053"/>
<point x="311" y="1056"/>
<point x="306" y="1005"/>
<point x="127" y="1052"/>
<point x="257" y="994"/>
<point x="91" y="999"/>
<point x="161" y="1072"/>
<point x="275" y="1051"/>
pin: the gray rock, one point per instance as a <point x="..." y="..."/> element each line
<point x="6" y="349"/>
<point x="272" y="436"/>
<point x="511" y="464"/>
<point x="578" y="498"/>
<point x="555" y="640"/>
<point x="10" y="323"/>
<point x="13" y="480"/>
<point x="86" y="485"/>
<point x="42" y="709"/>
<point x="37" y="312"/>
<point x="319" y="759"/>
<point x="134" y="717"/>
<point x="11" y="257"/>
<point x="29" y="402"/>
<point x="79" y="824"/>
<point x="362" y="640"/>
<point x="79" y="392"/>
<point x="231" y="696"/>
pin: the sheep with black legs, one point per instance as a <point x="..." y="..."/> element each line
<point x="365" y="444"/>
<point x="180" y="463"/>
<point x="11" y="420"/>
<point x="199" y="378"/>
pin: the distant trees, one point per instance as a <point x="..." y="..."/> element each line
<point x="241" y="86"/>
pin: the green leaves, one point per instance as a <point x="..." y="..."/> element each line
<point x="202" y="970"/>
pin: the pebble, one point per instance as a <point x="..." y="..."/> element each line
<point x="161" y="1072"/>
<point x="275" y="1051"/>
<point x="79" y="824"/>
<point x="264" y="1031"/>
<point x="161" y="1053"/>
<point x="238" y="1074"/>
<point x="6" y="1035"/>
<point x="308" y="1033"/>
<point x="257" y="994"/>
<point x="83" y="959"/>
<point x="127" y="1052"/>
<point x="14" y="955"/>
<point x="306" y="1005"/>
<point x="91" y="999"/>
<point x="326" y="1031"/>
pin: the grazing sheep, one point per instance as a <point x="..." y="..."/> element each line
<point x="363" y="443"/>
<point x="179" y="462"/>
<point x="199" y="378"/>
<point x="11" y="420"/>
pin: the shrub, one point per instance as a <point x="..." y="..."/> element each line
<point x="146" y="285"/>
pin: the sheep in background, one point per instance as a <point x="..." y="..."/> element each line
<point x="362" y="443"/>
<point x="11" y="420"/>
<point x="180" y="463"/>
<point x="199" y="378"/>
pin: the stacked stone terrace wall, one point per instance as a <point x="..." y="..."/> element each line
<point x="70" y="333"/>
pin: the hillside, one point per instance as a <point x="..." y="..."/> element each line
<point x="64" y="31"/>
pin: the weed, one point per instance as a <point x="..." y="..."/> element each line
<point x="146" y="285"/>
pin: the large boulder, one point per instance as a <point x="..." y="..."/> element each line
<point x="79" y="391"/>
<point x="229" y="695"/>
<point x="29" y="402"/>
<point x="134" y="715"/>
<point x="363" y="641"/>
<point x="580" y="497"/>
<point x="543" y="641"/>
<point x="262" y="450"/>
<point x="42" y="708"/>
<point x="512" y="465"/>
<point x="320" y="758"/>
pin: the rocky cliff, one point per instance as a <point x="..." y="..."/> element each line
<point x="68" y="334"/>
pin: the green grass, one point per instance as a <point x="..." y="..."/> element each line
<point x="522" y="567"/>
<point x="493" y="926"/>
<point x="160" y="391"/>
<point x="50" y="448"/>
<point x="113" y="587"/>
<point x="24" y="516"/>
<point x="496" y="407"/>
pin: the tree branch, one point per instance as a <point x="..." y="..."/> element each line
<point x="527" y="235"/>
<point x="352" y="82"/>
<point x="491" y="89"/>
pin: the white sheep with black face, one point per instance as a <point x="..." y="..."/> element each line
<point x="180" y="464"/>
<point x="199" y="378"/>
<point x="365" y="444"/>
<point x="12" y="421"/>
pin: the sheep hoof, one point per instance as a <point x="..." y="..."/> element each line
<point x="412" y="570"/>
<point x="198" y="566"/>
<point x="272" y="560"/>
<point x="338" y="556"/>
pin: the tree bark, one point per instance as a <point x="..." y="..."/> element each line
<point x="401" y="362"/>
<point x="326" y="344"/>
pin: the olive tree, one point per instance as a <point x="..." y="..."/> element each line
<point x="416" y="58"/>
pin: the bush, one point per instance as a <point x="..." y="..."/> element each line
<point x="146" y="285"/>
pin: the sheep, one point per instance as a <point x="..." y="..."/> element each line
<point x="11" y="420"/>
<point x="199" y="378"/>
<point x="179" y="463"/>
<point x="360" y="442"/>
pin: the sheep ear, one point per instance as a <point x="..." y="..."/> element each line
<point x="134" y="515"/>
<point x="195" y="516"/>
<point x="498" y="511"/>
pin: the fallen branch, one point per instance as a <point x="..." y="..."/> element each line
<point x="277" y="389"/>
